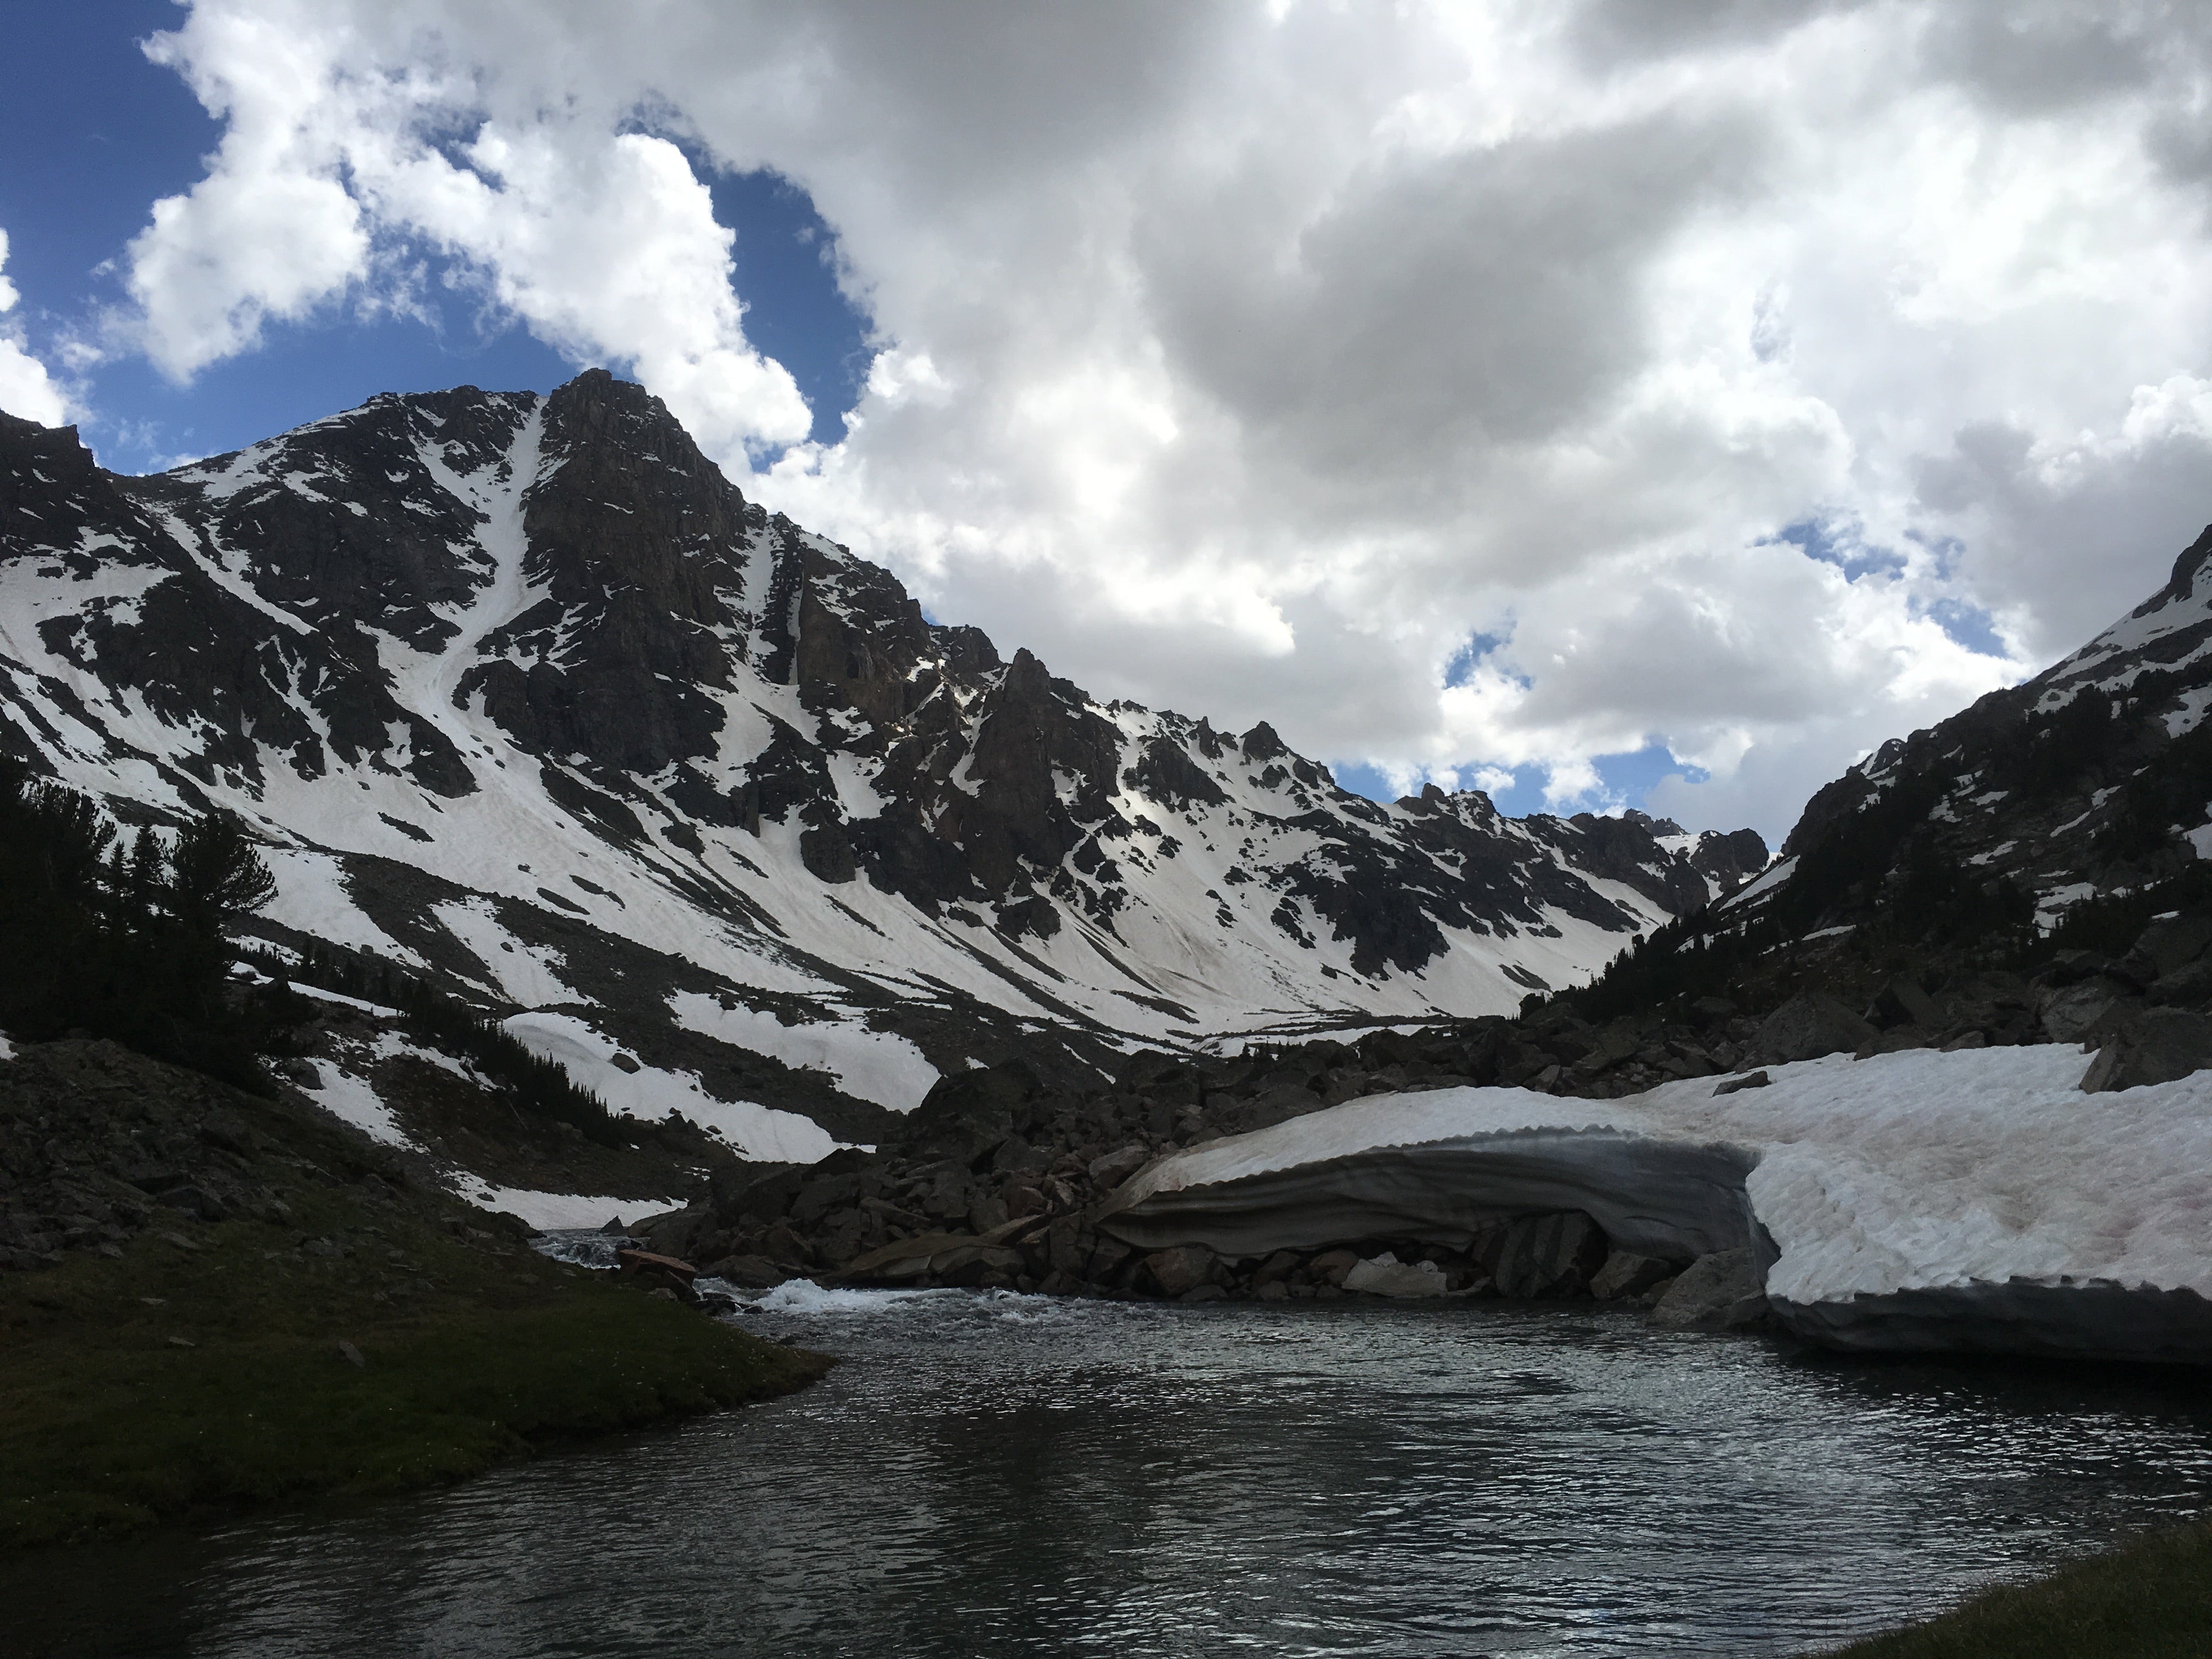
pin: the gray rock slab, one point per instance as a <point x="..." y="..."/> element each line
<point x="1628" y="1274"/>
<point x="2069" y="1013"/>
<point x="1807" y="1026"/>
<point x="1181" y="1268"/>
<point x="1715" y="1292"/>
<point x="2153" y="1045"/>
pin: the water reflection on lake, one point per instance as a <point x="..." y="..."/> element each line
<point x="992" y="1474"/>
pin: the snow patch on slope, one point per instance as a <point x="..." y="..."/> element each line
<point x="875" y="1066"/>
<point x="753" y="1131"/>
<point x="351" y="1099"/>
<point x="547" y="1211"/>
<point x="526" y="974"/>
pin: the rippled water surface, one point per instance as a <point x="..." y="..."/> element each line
<point x="999" y="1475"/>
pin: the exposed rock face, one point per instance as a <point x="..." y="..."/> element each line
<point x="2153" y="1045"/>
<point x="1628" y="1274"/>
<point x="1181" y="1268"/>
<point x="2091" y="776"/>
<point x="528" y="697"/>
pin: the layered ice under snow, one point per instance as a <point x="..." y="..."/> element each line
<point x="1881" y="1183"/>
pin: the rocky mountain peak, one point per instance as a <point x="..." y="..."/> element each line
<point x="2180" y="587"/>
<point x="525" y="696"/>
<point x="2094" y="776"/>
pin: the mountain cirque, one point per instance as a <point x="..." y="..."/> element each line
<point x="525" y="697"/>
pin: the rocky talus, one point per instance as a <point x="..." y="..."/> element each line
<point x="100" y="1146"/>
<point x="996" y="1179"/>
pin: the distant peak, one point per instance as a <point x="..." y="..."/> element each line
<point x="2183" y="582"/>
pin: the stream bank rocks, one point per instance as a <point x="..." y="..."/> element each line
<point x="997" y="1183"/>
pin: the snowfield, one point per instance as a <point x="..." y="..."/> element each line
<point x="548" y="1211"/>
<point x="1981" y="1189"/>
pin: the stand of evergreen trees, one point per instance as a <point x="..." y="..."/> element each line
<point x="126" y="937"/>
<point x="535" y="1085"/>
<point x="108" y="937"/>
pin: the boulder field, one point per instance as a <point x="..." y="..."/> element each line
<point x="1880" y="1182"/>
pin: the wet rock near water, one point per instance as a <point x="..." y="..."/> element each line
<point x="1722" y="1292"/>
<point x="995" y="1180"/>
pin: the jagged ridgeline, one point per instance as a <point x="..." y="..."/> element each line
<point x="2061" y="815"/>
<point x="522" y="695"/>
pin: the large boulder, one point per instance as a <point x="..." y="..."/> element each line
<point x="1807" y="1026"/>
<point x="1715" y="1292"/>
<point x="2152" y="1045"/>
<point x="1385" y="1275"/>
<point x="747" y="1272"/>
<point x="1626" y="1275"/>
<point x="1547" y="1255"/>
<point x="2188" y="986"/>
<point x="1902" y="1002"/>
<point x="755" y="1195"/>
<point x="2069" y="1014"/>
<point x="1113" y="1168"/>
<point x="1181" y="1268"/>
<point x="967" y="1116"/>
<point x="2166" y="947"/>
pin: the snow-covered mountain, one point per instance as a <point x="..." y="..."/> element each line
<point x="2094" y="776"/>
<point x="524" y="695"/>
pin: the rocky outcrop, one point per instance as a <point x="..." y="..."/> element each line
<point x="2089" y="776"/>
<point x="1723" y="1291"/>
<point x="1809" y="1025"/>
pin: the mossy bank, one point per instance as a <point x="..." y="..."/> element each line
<point x="339" y="1329"/>
<point x="2149" y="1599"/>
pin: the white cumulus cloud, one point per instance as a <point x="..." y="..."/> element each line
<point x="1253" y="358"/>
<point x="27" y="390"/>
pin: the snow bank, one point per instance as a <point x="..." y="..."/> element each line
<point x="353" y="1100"/>
<point x="1895" y="1197"/>
<point x="547" y="1211"/>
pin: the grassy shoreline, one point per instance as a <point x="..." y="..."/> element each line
<point x="200" y="1371"/>
<point x="2151" y="1598"/>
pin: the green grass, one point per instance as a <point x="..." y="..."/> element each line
<point x="2150" y="1599"/>
<point x="476" y="1352"/>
